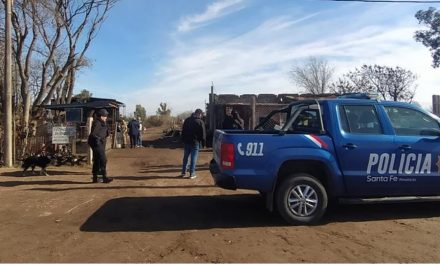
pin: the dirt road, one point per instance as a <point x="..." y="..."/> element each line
<point x="148" y="214"/>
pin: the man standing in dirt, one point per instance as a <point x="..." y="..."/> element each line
<point x="97" y="140"/>
<point x="133" y="132"/>
<point x="193" y="136"/>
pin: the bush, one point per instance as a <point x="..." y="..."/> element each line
<point x="182" y="116"/>
<point x="154" y="121"/>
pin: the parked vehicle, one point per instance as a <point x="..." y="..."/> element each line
<point x="310" y="152"/>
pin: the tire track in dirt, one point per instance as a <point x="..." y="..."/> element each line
<point x="356" y="248"/>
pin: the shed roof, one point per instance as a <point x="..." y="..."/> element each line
<point x="92" y="103"/>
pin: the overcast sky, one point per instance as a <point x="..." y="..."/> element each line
<point x="152" y="51"/>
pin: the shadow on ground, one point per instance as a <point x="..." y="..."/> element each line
<point x="141" y="178"/>
<point x="149" y="214"/>
<point x="178" y="213"/>
<point x="169" y="143"/>
<point x="101" y="186"/>
<point x="47" y="182"/>
<point x="164" y="142"/>
<point x="19" y="173"/>
<point x="171" y="168"/>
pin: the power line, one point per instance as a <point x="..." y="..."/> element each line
<point x="390" y="1"/>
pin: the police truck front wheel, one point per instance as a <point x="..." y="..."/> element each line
<point x="301" y="199"/>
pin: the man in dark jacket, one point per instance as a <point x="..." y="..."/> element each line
<point x="133" y="132"/>
<point x="97" y="139"/>
<point x="193" y="136"/>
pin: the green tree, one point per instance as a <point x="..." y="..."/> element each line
<point x="430" y="38"/>
<point x="140" y="112"/>
<point x="163" y="110"/>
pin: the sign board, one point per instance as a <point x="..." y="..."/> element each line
<point x="63" y="135"/>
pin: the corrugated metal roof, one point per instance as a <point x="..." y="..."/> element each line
<point x="93" y="103"/>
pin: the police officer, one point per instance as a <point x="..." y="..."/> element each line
<point x="96" y="140"/>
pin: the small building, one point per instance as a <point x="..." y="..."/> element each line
<point x="75" y="116"/>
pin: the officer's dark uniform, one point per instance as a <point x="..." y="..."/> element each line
<point x="96" y="140"/>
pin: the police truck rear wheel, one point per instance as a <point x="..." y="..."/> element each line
<point x="301" y="199"/>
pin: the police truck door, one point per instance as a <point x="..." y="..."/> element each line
<point x="364" y="150"/>
<point x="418" y="150"/>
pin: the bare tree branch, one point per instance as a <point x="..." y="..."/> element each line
<point x="314" y="76"/>
<point x="395" y="84"/>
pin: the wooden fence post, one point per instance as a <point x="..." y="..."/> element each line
<point x="254" y="114"/>
<point x="89" y="150"/>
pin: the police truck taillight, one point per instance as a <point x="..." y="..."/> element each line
<point x="227" y="156"/>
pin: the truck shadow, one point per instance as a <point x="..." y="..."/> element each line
<point x="179" y="213"/>
<point x="175" y="213"/>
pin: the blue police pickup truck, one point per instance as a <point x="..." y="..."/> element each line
<point x="313" y="151"/>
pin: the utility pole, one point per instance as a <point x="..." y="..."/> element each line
<point x="436" y="104"/>
<point x="211" y="109"/>
<point x="8" y="87"/>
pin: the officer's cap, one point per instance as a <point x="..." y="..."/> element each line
<point x="102" y="112"/>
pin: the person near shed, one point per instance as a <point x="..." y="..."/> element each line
<point x="133" y="132"/>
<point x="141" y="128"/>
<point x="232" y="120"/>
<point x="97" y="139"/>
<point x="194" y="137"/>
<point x="124" y="132"/>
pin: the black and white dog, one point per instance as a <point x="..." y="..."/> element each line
<point x="33" y="161"/>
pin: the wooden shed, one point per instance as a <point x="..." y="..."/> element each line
<point x="78" y="115"/>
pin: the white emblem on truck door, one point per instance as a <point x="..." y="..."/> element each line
<point x="253" y="149"/>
